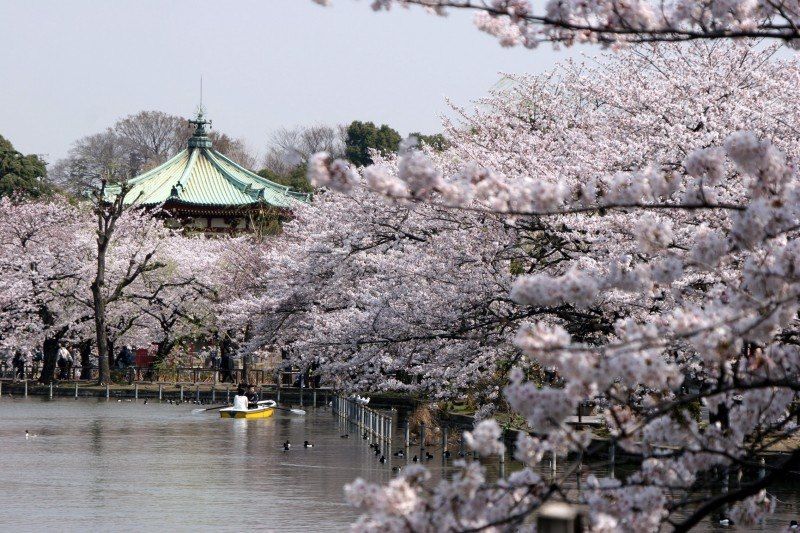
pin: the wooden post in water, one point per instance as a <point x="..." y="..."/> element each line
<point x="502" y="459"/>
<point x="160" y="387"/>
<point x="228" y="393"/>
<point x="553" y="464"/>
<point x="445" y="435"/>
<point x="389" y="447"/>
<point x="108" y="392"/>
<point x="135" y="391"/>
<point x="315" y="397"/>
<point x="213" y="394"/>
<point x="51" y="390"/>
<point x="76" y="389"/>
<point x="26" y="387"/>
<point x="612" y="452"/>
<point x="181" y="392"/>
<point x="197" y="392"/>
<point x="407" y="436"/>
<point x="422" y="441"/>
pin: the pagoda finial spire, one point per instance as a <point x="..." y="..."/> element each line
<point x="199" y="138"/>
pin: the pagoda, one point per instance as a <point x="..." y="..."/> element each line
<point x="203" y="190"/>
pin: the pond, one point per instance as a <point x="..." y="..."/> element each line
<point x="103" y="465"/>
<point x="122" y="465"/>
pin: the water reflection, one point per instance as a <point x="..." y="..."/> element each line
<point x="124" y="466"/>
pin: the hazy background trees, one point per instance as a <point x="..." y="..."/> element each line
<point x="361" y="137"/>
<point x="134" y="144"/>
<point x="144" y="140"/>
<point x="19" y="173"/>
<point x="289" y="149"/>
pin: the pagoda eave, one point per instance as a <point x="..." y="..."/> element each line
<point x="183" y="209"/>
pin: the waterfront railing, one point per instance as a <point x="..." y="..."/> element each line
<point x="372" y="424"/>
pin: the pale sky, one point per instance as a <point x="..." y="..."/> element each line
<point x="73" y="67"/>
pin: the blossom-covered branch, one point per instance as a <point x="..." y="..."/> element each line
<point x="612" y="22"/>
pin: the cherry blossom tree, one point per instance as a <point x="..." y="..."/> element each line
<point x="177" y="302"/>
<point x="64" y="268"/>
<point x="651" y="268"/>
<point x="43" y="259"/>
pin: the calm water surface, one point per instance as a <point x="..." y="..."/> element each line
<point x="98" y="465"/>
<point x="124" y="466"/>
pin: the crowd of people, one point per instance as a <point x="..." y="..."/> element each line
<point x="225" y="364"/>
<point x="24" y="364"/>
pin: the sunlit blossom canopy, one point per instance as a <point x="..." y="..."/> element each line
<point x="202" y="176"/>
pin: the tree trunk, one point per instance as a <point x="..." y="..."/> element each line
<point x="246" y="368"/>
<point x="85" y="348"/>
<point x="49" y="356"/>
<point x="225" y="354"/>
<point x="100" y="319"/>
<point x="162" y="350"/>
<point x="112" y="347"/>
<point x="246" y="357"/>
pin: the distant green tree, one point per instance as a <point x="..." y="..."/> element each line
<point x="21" y="174"/>
<point x="437" y="142"/>
<point x="295" y="179"/>
<point x="361" y="136"/>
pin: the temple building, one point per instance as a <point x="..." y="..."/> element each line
<point x="201" y="189"/>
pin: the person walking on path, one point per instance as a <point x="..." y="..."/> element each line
<point x="64" y="362"/>
<point x="38" y="359"/>
<point x="19" y="365"/>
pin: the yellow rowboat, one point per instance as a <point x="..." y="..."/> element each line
<point x="264" y="410"/>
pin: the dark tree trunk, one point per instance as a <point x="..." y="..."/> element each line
<point x="85" y="348"/>
<point x="49" y="356"/>
<point x="225" y="349"/>
<point x="246" y="357"/>
<point x="111" y="347"/>
<point x="163" y="349"/>
<point x="100" y="314"/>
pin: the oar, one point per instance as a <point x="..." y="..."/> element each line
<point x="211" y="408"/>
<point x="293" y="411"/>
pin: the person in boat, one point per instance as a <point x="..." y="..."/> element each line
<point x="252" y="397"/>
<point x="240" y="401"/>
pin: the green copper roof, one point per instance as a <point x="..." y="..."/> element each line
<point x="201" y="176"/>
